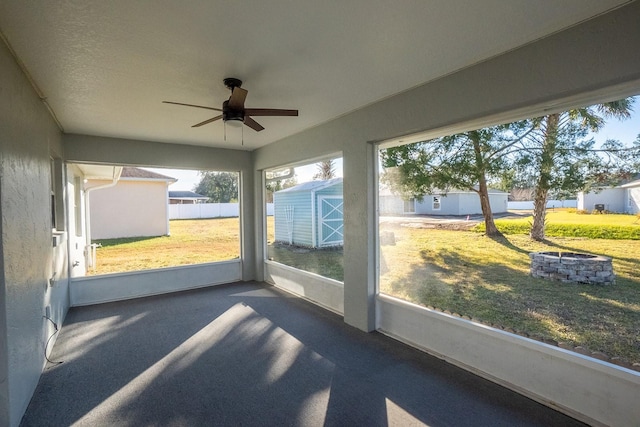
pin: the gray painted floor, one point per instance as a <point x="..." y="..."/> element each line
<point x="248" y="354"/>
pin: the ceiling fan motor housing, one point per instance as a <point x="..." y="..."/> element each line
<point x="229" y="113"/>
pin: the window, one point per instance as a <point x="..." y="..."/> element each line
<point x="455" y="265"/>
<point x="304" y="217"/>
<point x="133" y="226"/>
<point x="435" y="204"/>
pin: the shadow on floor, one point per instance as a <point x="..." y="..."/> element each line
<point x="249" y="354"/>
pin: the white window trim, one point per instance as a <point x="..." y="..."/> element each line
<point x="434" y="200"/>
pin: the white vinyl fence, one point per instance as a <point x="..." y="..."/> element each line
<point x="208" y="210"/>
<point x="528" y="205"/>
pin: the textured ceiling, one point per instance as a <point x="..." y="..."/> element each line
<point x="105" y="66"/>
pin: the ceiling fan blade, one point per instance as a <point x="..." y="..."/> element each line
<point x="236" y="101"/>
<point x="253" y="124"/>
<point x="269" y="112"/>
<point x="207" y="121"/>
<point x="192" y="105"/>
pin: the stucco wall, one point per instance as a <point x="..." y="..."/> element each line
<point x="28" y="137"/>
<point x="633" y="200"/>
<point x="129" y="209"/>
<point x="612" y="198"/>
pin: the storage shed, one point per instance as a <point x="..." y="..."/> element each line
<point x="310" y="214"/>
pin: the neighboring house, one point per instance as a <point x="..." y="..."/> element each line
<point x="135" y="205"/>
<point x="623" y="198"/>
<point x="310" y="214"/>
<point x="186" y="198"/>
<point x="453" y="202"/>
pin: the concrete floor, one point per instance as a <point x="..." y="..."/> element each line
<point x="249" y="354"/>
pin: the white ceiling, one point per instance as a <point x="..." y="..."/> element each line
<point x="105" y="66"/>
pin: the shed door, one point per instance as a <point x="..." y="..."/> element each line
<point x="331" y="220"/>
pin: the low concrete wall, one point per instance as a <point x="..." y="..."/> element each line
<point x="569" y="267"/>
<point x="325" y="292"/>
<point x="121" y="286"/>
<point x="590" y="390"/>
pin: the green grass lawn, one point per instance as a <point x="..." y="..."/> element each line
<point x="193" y="241"/>
<point x="568" y="223"/>
<point x="463" y="272"/>
<point x="488" y="280"/>
<point x="569" y="216"/>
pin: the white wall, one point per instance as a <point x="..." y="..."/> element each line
<point x="122" y="286"/>
<point x="208" y="210"/>
<point x="204" y="210"/>
<point x="585" y="388"/>
<point x="323" y="291"/>
<point x="28" y="259"/>
<point x="613" y="200"/>
<point x="538" y="77"/>
<point x="528" y="205"/>
<point x="391" y="205"/>
<point x="129" y="209"/>
<point x="633" y="200"/>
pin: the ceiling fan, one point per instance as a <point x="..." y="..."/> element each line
<point x="233" y="110"/>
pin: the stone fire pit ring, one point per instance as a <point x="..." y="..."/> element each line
<point x="571" y="267"/>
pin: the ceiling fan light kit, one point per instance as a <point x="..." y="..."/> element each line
<point x="233" y="110"/>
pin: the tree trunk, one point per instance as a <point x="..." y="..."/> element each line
<point x="539" y="212"/>
<point x="483" y="191"/>
<point x="544" y="179"/>
<point x="490" y="226"/>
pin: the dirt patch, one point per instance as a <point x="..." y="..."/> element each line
<point x="456" y="226"/>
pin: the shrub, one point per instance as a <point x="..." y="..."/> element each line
<point x="590" y="231"/>
<point x="582" y="212"/>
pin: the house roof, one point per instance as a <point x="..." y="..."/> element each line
<point x="322" y="58"/>
<point x="131" y="172"/>
<point x="312" y="186"/>
<point x="185" y="195"/>
<point x="631" y="184"/>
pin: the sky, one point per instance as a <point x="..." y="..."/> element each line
<point x="188" y="179"/>
<point x="625" y="131"/>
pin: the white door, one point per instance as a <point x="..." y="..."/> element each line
<point x="331" y="220"/>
